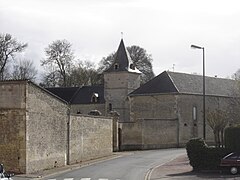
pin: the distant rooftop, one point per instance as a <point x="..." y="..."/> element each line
<point x="79" y="95"/>
<point x="174" y="82"/>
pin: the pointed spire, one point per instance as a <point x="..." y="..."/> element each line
<point x="122" y="61"/>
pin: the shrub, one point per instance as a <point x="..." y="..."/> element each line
<point x="202" y="157"/>
<point x="232" y="140"/>
<point x="195" y="149"/>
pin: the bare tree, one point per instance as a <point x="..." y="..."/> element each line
<point x="140" y="58"/>
<point x="217" y="120"/>
<point x="24" y="69"/>
<point x="9" y="46"/>
<point x="59" y="58"/>
<point x="84" y="73"/>
<point x="143" y="62"/>
<point x="234" y="103"/>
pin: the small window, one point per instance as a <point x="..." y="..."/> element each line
<point x="110" y="106"/>
<point x="132" y="66"/>
<point x="116" y="66"/>
<point x="95" y="98"/>
<point x="194" y="113"/>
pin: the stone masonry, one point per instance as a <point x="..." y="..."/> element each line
<point x="38" y="132"/>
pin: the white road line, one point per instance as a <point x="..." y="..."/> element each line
<point x="82" y="179"/>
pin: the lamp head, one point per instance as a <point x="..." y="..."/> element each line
<point x="196" y="47"/>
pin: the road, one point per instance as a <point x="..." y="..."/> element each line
<point x="131" y="167"/>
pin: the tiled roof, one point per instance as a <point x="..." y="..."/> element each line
<point x="173" y="82"/>
<point x="123" y="60"/>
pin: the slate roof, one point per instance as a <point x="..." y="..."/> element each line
<point x="65" y="93"/>
<point x="79" y="95"/>
<point x="123" y="60"/>
<point x="84" y="95"/>
<point x="173" y="82"/>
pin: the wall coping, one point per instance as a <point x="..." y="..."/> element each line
<point x="86" y="115"/>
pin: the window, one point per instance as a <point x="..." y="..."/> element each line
<point x="132" y="66"/>
<point x="95" y="98"/>
<point x="110" y="107"/>
<point x="116" y="66"/>
<point x="194" y="113"/>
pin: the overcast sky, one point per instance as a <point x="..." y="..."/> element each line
<point x="165" y="28"/>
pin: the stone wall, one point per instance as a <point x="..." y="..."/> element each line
<point x="149" y="134"/>
<point x="177" y="107"/>
<point x="12" y="125"/>
<point x="190" y="128"/>
<point x="90" y="138"/>
<point x="153" y="107"/>
<point x="86" y="108"/>
<point x="37" y="131"/>
<point x="46" y="133"/>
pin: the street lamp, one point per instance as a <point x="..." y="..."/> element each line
<point x="204" y="113"/>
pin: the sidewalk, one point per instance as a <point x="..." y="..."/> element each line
<point x="180" y="168"/>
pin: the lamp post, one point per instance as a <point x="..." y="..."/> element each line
<point x="204" y="112"/>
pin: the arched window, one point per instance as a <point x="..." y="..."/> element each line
<point x="116" y="66"/>
<point x="194" y="113"/>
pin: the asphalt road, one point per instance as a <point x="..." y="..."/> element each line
<point x="131" y="167"/>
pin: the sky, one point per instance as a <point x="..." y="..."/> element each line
<point x="164" y="28"/>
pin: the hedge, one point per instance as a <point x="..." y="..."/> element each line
<point x="202" y="157"/>
<point x="232" y="140"/>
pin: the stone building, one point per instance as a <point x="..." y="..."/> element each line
<point x="164" y="112"/>
<point x="38" y="132"/>
<point x="167" y="110"/>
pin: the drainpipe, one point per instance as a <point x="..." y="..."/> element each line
<point x="68" y="135"/>
<point x="178" y="123"/>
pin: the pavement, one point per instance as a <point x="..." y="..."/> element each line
<point x="178" y="168"/>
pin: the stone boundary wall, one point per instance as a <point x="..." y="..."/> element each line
<point x="37" y="131"/>
<point x="149" y="134"/>
<point x="90" y="138"/>
<point x="12" y="125"/>
<point x="46" y="132"/>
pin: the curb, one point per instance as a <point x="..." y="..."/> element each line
<point x="150" y="171"/>
<point x="64" y="169"/>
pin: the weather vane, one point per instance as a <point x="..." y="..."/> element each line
<point x="122" y="35"/>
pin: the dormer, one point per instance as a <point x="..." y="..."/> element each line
<point x="95" y="98"/>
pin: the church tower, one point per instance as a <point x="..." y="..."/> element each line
<point x="119" y="80"/>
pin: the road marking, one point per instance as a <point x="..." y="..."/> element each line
<point x="82" y="179"/>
